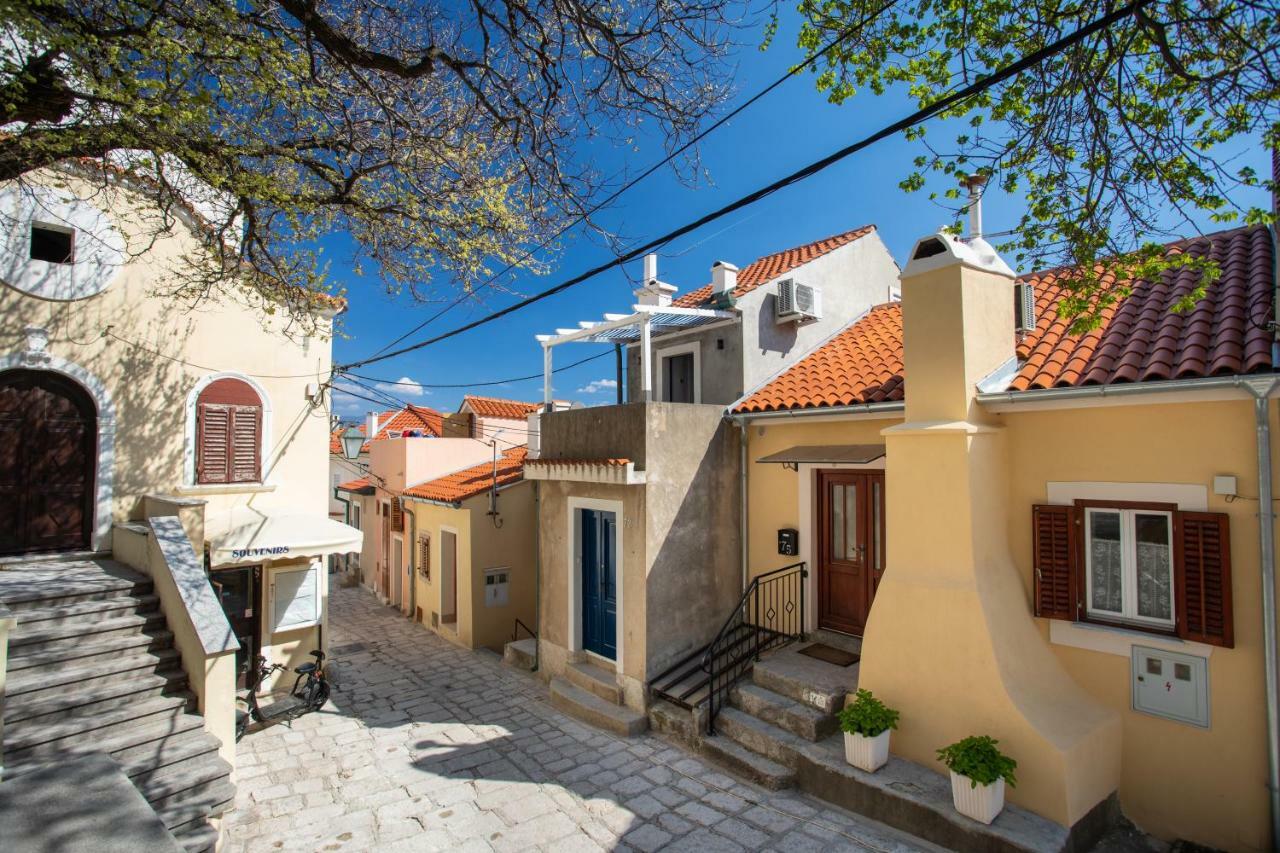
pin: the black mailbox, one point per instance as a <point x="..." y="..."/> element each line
<point x="789" y="542"/>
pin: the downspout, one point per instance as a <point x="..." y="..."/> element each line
<point x="413" y="558"/>
<point x="537" y="573"/>
<point x="742" y="500"/>
<point x="1267" y="538"/>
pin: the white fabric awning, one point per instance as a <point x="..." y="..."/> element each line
<point x="246" y="535"/>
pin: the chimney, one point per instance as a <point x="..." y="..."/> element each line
<point x="975" y="185"/>
<point x="650" y="269"/>
<point x="371" y="425"/>
<point x="724" y="277"/>
<point x="651" y="291"/>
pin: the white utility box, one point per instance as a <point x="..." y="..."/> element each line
<point x="1171" y="685"/>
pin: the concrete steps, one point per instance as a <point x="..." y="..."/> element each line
<point x="93" y="669"/>
<point x="763" y="771"/>
<point x="798" y="718"/>
<point x="594" y="680"/>
<point x="521" y="654"/>
<point x="593" y="710"/>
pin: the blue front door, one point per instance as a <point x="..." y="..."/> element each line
<point x="598" y="530"/>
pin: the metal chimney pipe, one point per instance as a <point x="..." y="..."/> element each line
<point x="975" y="183"/>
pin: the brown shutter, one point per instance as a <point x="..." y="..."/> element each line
<point x="424" y="557"/>
<point x="213" y="443"/>
<point x="1056" y="557"/>
<point x="1202" y="577"/>
<point x="397" y="516"/>
<point x="246" y="432"/>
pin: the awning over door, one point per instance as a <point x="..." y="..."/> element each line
<point x="246" y="535"/>
<point x="826" y="454"/>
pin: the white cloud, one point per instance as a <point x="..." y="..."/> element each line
<point x="598" y="386"/>
<point x="402" y="387"/>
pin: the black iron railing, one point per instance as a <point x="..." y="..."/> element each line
<point x="515" y="631"/>
<point x="769" y="614"/>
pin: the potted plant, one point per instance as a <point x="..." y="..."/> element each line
<point x="866" y="722"/>
<point x="979" y="771"/>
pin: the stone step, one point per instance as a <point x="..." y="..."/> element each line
<point x="45" y="583"/>
<point x="142" y="750"/>
<point x="744" y="762"/>
<point x="75" y="702"/>
<point x="35" y="682"/>
<point x="796" y="717"/>
<point x="760" y="737"/>
<point x="593" y="710"/>
<point x="917" y="799"/>
<point x="804" y="679"/>
<point x="47" y="736"/>
<point x="521" y="654"/>
<point x="81" y="612"/>
<point x="83" y="653"/>
<point x="68" y="636"/>
<point x="594" y="679"/>
<point x="190" y="781"/>
<point x="200" y="837"/>
<point x="188" y="813"/>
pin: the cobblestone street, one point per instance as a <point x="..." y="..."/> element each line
<point x="425" y="746"/>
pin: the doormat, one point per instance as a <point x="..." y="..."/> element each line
<point x="830" y="654"/>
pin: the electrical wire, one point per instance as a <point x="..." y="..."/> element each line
<point x="598" y="355"/>
<point x="928" y="111"/>
<point x="578" y="220"/>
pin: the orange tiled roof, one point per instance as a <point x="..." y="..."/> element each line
<point x="411" y="417"/>
<point x="354" y="485"/>
<point x="618" y="463"/>
<point x="496" y="407"/>
<point x="1139" y="340"/>
<point x="769" y="267"/>
<point x="472" y="481"/>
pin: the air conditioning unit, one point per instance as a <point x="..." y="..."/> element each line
<point x="1024" y="308"/>
<point x="797" y="302"/>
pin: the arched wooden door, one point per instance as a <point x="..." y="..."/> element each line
<point x="48" y="447"/>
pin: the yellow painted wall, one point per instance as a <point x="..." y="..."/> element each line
<point x="433" y="519"/>
<point x="511" y="546"/>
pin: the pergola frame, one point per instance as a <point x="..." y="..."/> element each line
<point x="637" y="327"/>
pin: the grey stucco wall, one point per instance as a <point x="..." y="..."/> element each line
<point x="720" y="363"/>
<point x="852" y="278"/>
<point x="692" y="529"/>
<point x="600" y="432"/>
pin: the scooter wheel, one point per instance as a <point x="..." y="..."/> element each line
<point x="319" y="695"/>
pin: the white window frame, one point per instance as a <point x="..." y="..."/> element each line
<point x="1128" y="569"/>
<point x="505" y="572"/>
<point x="313" y="568"/>
<point x="660" y="358"/>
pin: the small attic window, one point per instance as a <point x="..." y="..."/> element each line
<point x="929" y="248"/>
<point x="52" y="243"/>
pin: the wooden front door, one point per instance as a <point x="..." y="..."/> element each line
<point x="598" y="532"/>
<point x="850" y="542"/>
<point x="48" y="447"/>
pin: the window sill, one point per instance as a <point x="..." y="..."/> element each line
<point x="1118" y="641"/>
<point x="225" y="489"/>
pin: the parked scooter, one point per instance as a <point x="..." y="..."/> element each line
<point x="306" y="696"/>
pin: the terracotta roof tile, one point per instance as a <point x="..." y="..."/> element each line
<point x="615" y="463"/>
<point x="472" y="481"/>
<point x="769" y="267"/>
<point x="354" y="485"/>
<point x="409" y="418"/>
<point x="496" y="407"/>
<point x="1139" y="339"/>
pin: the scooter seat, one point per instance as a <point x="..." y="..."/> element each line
<point x="306" y="668"/>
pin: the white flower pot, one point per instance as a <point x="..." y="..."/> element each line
<point x="867" y="753"/>
<point x="981" y="802"/>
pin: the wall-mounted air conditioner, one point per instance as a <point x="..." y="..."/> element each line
<point x="797" y="302"/>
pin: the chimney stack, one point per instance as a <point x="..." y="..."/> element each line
<point x="975" y="184"/>
<point x="651" y="291"/>
<point x="650" y="268"/>
<point x="371" y="425"/>
<point x="724" y="277"/>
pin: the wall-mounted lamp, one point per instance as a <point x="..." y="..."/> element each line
<point x="352" y="442"/>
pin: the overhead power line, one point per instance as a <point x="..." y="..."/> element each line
<point x="578" y="220"/>
<point x="930" y="110"/>
<point x="412" y="384"/>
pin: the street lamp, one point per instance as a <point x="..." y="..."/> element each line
<point x="352" y="442"/>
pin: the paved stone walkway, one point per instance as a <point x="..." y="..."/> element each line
<point x="425" y="746"/>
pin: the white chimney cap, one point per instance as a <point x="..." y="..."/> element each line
<point x="943" y="249"/>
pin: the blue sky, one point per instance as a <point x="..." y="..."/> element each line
<point x="791" y="127"/>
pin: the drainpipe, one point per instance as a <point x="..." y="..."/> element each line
<point x="413" y="557"/>
<point x="742" y="501"/>
<point x="537" y="573"/>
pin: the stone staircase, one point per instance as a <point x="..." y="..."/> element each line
<point x="779" y="729"/>
<point x="591" y="693"/>
<point x="521" y="654"/>
<point x="92" y="668"/>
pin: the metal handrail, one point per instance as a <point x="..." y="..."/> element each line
<point x="515" y="631"/>
<point x="750" y="602"/>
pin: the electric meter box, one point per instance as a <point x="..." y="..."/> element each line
<point x="1171" y="685"/>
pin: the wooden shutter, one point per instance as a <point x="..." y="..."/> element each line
<point x="1202" y="577"/>
<point x="213" y="443"/>
<point x="424" y="555"/>
<point x="1057" y="557"/>
<point x="246" y="433"/>
<point x="397" y="516"/>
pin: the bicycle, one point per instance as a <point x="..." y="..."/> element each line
<point x="303" y="698"/>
